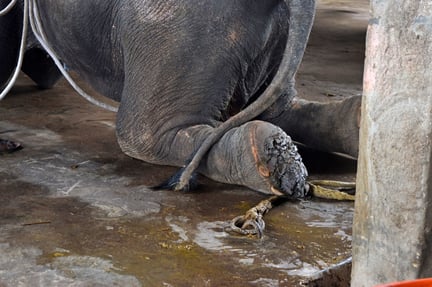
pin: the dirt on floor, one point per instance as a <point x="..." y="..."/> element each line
<point x="76" y="211"/>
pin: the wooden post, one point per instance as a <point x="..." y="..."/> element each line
<point x="392" y="232"/>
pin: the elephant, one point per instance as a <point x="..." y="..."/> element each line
<point x="181" y="68"/>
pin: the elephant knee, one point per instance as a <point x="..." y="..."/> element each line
<point x="165" y="147"/>
<point x="142" y="145"/>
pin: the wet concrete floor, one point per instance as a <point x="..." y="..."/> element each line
<point x="76" y="211"/>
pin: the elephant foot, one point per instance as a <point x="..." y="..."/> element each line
<point x="284" y="167"/>
<point x="260" y="156"/>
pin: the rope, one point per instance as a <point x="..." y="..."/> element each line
<point x="31" y="13"/>
<point x="330" y="189"/>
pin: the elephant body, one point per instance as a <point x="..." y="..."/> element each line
<point x="179" y="68"/>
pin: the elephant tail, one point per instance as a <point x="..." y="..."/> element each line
<point x="301" y="16"/>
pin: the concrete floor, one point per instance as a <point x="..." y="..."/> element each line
<point x="76" y="211"/>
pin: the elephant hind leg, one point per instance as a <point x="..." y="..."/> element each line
<point x="40" y="68"/>
<point x="257" y="154"/>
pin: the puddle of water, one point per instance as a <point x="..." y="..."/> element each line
<point x="210" y="235"/>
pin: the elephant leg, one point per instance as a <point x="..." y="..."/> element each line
<point x="257" y="155"/>
<point x="168" y="130"/>
<point x="330" y="127"/>
<point x="40" y="68"/>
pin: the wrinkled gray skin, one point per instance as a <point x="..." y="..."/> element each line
<point x="178" y="68"/>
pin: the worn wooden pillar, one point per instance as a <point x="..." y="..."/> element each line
<point x="393" y="211"/>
